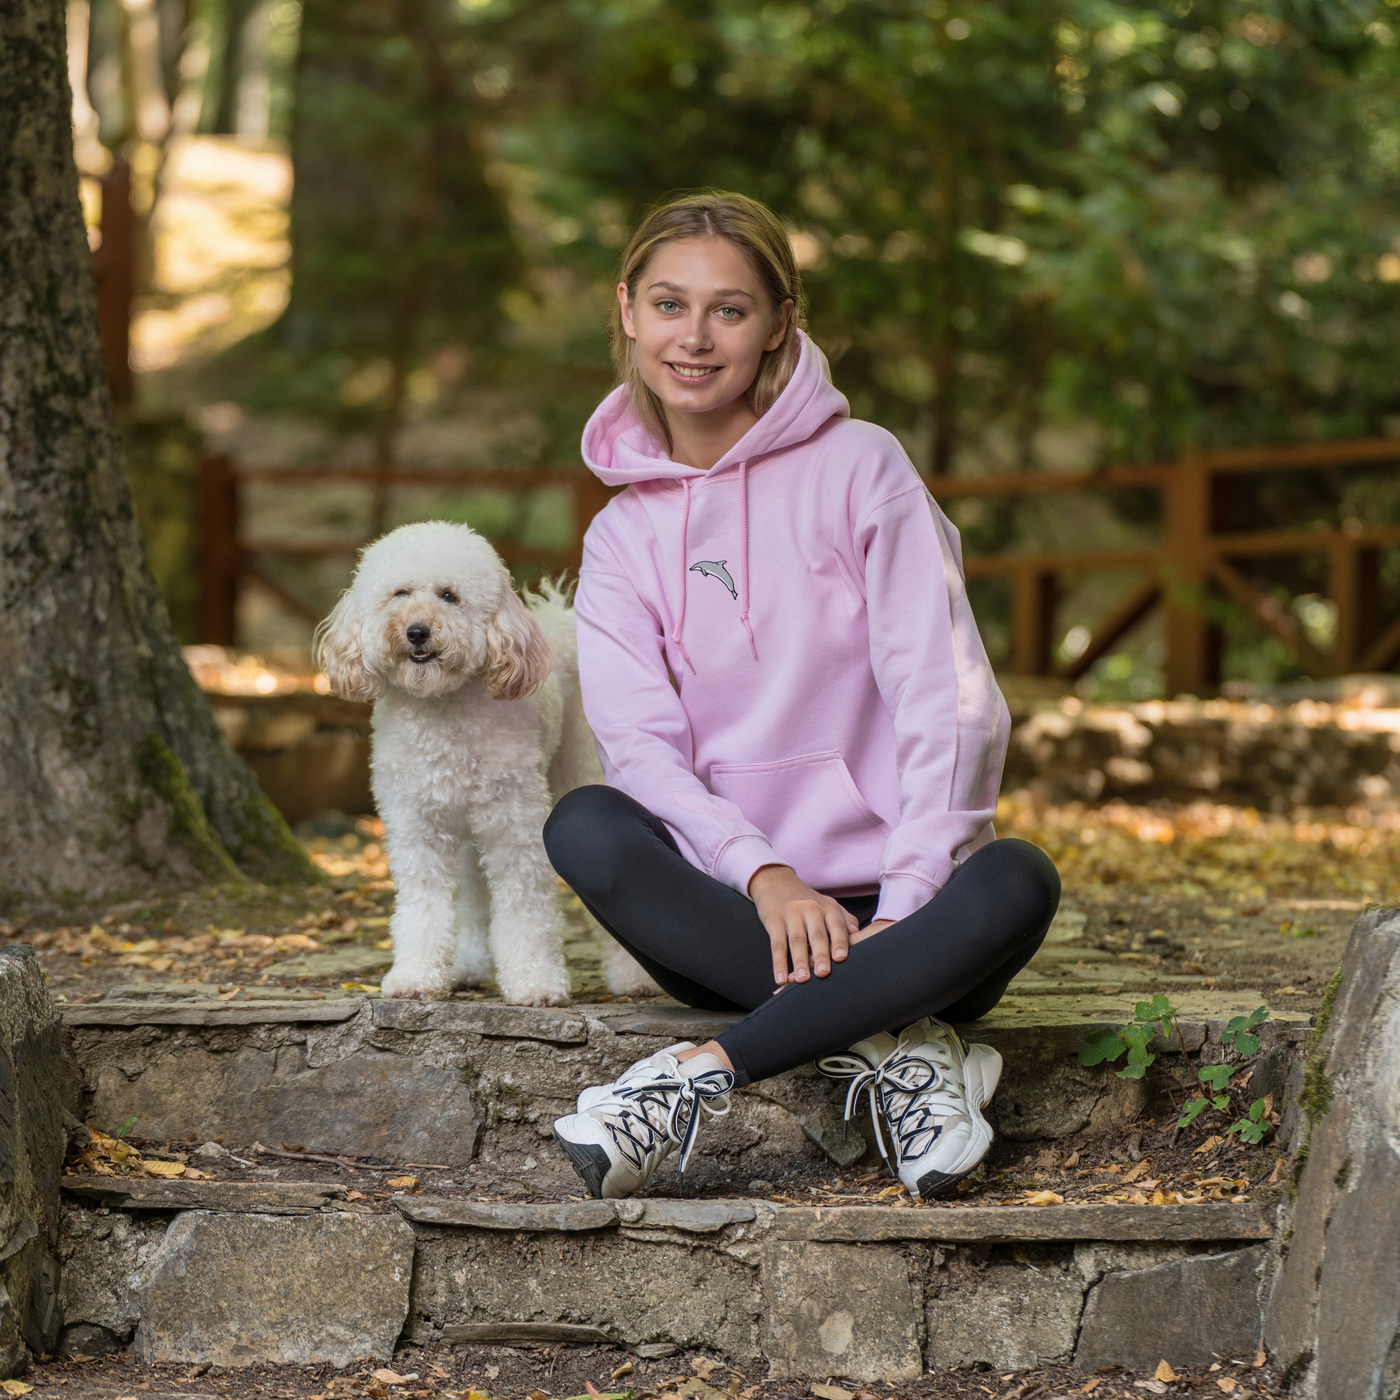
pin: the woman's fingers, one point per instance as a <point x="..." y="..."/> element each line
<point x="839" y="930"/>
<point x="815" y="919"/>
<point x="778" y="942"/>
<point x="797" y="945"/>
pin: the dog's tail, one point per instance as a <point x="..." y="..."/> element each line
<point x="575" y="762"/>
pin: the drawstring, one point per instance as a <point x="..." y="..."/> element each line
<point x="743" y="566"/>
<point x="744" y="555"/>
<point x="680" y="615"/>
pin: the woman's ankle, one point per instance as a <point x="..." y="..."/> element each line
<point x="710" y="1047"/>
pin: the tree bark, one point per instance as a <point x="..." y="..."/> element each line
<point x="115" y="776"/>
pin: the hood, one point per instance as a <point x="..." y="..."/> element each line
<point x="620" y="451"/>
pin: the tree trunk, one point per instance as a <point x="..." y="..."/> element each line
<point x="115" y="776"/>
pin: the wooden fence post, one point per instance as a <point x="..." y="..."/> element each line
<point x="1193" y="645"/>
<point x="1033" y="620"/>
<point x="113" y="269"/>
<point x="220" y="550"/>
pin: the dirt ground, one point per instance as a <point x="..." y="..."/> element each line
<point x="566" y="1373"/>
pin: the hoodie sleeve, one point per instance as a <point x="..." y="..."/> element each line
<point x="951" y="722"/>
<point x="641" y="729"/>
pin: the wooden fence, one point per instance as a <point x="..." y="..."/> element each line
<point x="1198" y="559"/>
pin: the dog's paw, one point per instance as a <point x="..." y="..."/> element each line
<point x="530" y="994"/>
<point x="415" y="986"/>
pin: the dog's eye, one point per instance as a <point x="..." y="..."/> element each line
<point x="400" y="593"/>
<point x="448" y="596"/>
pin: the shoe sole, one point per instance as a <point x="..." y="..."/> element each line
<point x="589" y="1160"/>
<point x="981" y="1075"/>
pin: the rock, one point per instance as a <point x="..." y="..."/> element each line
<point x="479" y="1018"/>
<point x="638" y="1292"/>
<point x="840" y="1310"/>
<point x="397" y="1107"/>
<point x="526" y="1333"/>
<point x="491" y="1215"/>
<point x="692" y="1217"/>
<point x="759" y="1187"/>
<point x="100" y="1255"/>
<point x="211" y="1149"/>
<point x="1002" y="1315"/>
<point x="830" y="1131"/>
<point x="998" y="1224"/>
<point x="1191" y="1311"/>
<point x="1345" y="1227"/>
<point x="654" y="1351"/>
<point x="235" y="1290"/>
<point x="171" y="1193"/>
<point x="33" y="1137"/>
<point x="87" y="1339"/>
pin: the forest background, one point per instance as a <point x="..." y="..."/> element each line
<point x="1035" y="235"/>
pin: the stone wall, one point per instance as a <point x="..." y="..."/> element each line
<point x="1333" y="1317"/>
<point x="32" y="1142"/>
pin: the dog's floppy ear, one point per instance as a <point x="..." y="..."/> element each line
<point x="518" y="658"/>
<point x="338" y="653"/>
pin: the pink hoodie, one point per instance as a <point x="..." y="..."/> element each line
<point x="777" y="655"/>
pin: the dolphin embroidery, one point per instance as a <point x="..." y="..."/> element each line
<point x="714" y="568"/>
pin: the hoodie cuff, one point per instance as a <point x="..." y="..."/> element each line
<point x="739" y="857"/>
<point x="902" y="895"/>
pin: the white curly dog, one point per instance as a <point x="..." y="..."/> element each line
<point x="478" y="728"/>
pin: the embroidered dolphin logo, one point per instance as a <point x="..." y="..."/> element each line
<point x="714" y="568"/>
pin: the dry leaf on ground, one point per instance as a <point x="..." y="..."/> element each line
<point x="402" y="1183"/>
<point x="1043" y="1198"/>
<point x="625" y="1369"/>
<point x="833" y="1392"/>
<point x="15" y="1387"/>
<point x="163" y="1168"/>
<point x="388" y="1377"/>
<point x="1164" y="1372"/>
<point x="1228" y="1384"/>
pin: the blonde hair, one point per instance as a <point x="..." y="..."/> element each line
<point x="758" y="233"/>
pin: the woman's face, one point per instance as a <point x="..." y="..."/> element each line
<point x="701" y="321"/>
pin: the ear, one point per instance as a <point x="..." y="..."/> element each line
<point x="338" y="653"/>
<point x="624" y="301"/>
<point x="518" y="658"/>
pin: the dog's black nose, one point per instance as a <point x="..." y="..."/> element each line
<point x="419" y="632"/>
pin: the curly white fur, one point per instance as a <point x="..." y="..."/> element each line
<point x="478" y="727"/>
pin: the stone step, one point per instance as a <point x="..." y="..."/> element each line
<point x="197" y="1272"/>
<point x="449" y="1082"/>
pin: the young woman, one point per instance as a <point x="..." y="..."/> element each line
<point x="799" y="728"/>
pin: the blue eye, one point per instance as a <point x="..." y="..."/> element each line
<point x="667" y="306"/>
<point x="730" y="313"/>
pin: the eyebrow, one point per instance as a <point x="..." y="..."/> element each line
<point x="722" y="292"/>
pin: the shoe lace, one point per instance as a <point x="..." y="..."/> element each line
<point x="665" y="1109"/>
<point x="909" y="1094"/>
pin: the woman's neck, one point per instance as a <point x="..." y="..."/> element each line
<point x="701" y="439"/>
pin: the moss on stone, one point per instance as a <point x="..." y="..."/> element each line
<point x="164" y="775"/>
<point x="268" y="851"/>
<point x="1324" y="1011"/>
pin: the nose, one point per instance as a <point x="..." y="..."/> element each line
<point x="418" y="633"/>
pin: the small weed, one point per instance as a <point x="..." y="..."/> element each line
<point x="1134" y="1038"/>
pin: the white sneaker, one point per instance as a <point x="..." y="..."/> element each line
<point x="596" y="1093"/>
<point x="926" y="1091"/>
<point x="618" y="1141"/>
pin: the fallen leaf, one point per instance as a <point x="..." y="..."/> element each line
<point x="194" y="1174"/>
<point x="536" y="1395"/>
<point x="704" y="1367"/>
<point x="15" y="1387"/>
<point x="402" y="1183"/>
<point x="1273" y="1181"/>
<point x="387" y="1377"/>
<point x="1072" y="1160"/>
<point x="163" y="1168"/>
<point x="833" y="1392"/>
<point x="750" y="1392"/>
<point x="1261" y="1357"/>
<point x="475" y="1395"/>
<point x="1089" y="1387"/>
<point x="593" y="1390"/>
<point x="355" y="1196"/>
<point x="1164" y="1372"/>
<point x="491" y="1372"/>
<point x="625" y="1369"/>
<point x="1227" y="1383"/>
<point x="1043" y="1198"/>
<point x="1209" y="1145"/>
<point x="1152" y="1387"/>
<point x="1142" y="1168"/>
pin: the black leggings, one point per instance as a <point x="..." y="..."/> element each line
<point x="704" y="944"/>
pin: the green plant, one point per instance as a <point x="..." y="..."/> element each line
<point x="1134" y="1038"/>
<point x="125" y="1128"/>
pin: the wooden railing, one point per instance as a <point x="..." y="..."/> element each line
<point x="1198" y="556"/>
<point x="227" y="559"/>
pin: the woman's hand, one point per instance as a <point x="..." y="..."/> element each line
<point x="807" y="930"/>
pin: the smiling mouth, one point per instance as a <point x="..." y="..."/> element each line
<point x="421" y="658"/>
<point x="693" y="373"/>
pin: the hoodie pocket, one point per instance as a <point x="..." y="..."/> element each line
<point x="798" y="800"/>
